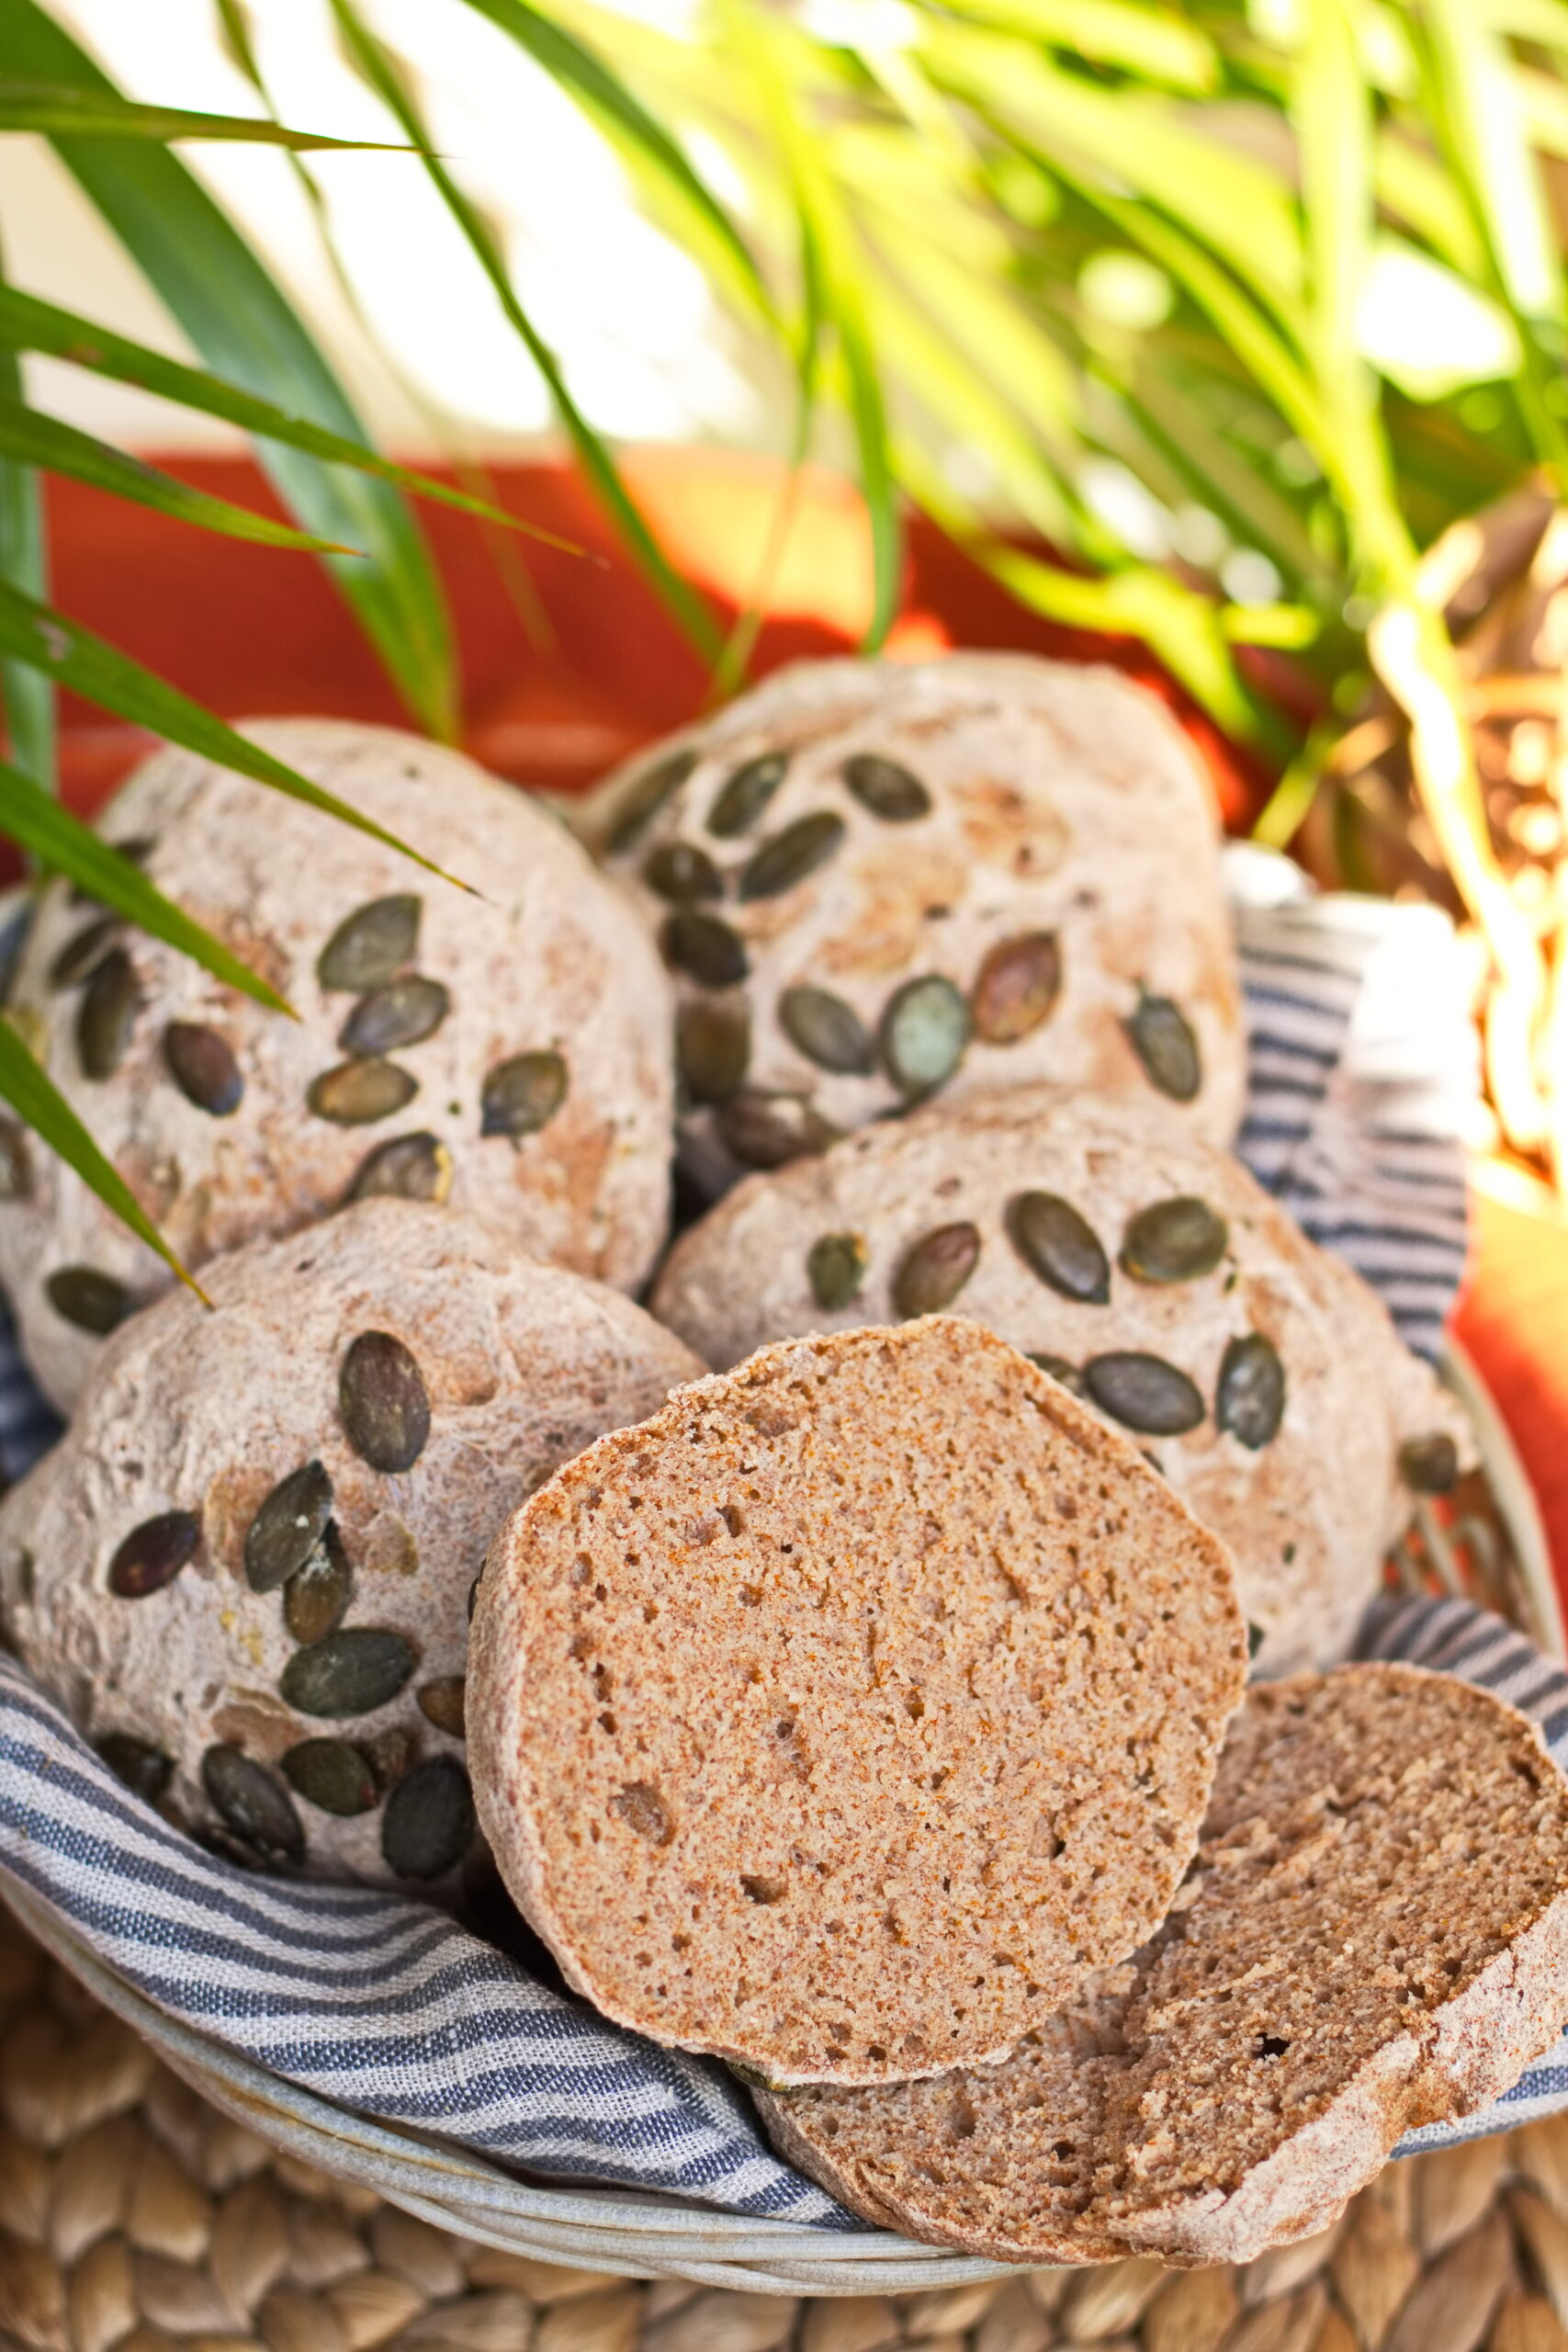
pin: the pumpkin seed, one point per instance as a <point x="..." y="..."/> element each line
<point x="388" y="1755"/>
<point x="706" y="950"/>
<point x="1256" y="1637"/>
<point x="1060" y="1246"/>
<point x="1251" y="1398"/>
<point x="94" y="1302"/>
<point x="835" y="1267"/>
<point x="646" y="795"/>
<point x="925" y="1027"/>
<point x="888" y="790"/>
<point x="371" y="946"/>
<point x="33" y="1027"/>
<point x="1061" y="1370"/>
<point x="777" y="865"/>
<point x="350" y="1672"/>
<point x="356" y="1094"/>
<point x="766" y="1130"/>
<point x="331" y="1775"/>
<point x="522" y="1094"/>
<point x="1165" y="1044"/>
<point x="384" y="1402"/>
<point x="681" y="871"/>
<point x="145" y="1770"/>
<point x="410" y="1167"/>
<point x="288" y="1527"/>
<point x="106" y="1018"/>
<point x="152" y="1554"/>
<point x="429" y="1820"/>
<point x="1174" y="1241"/>
<point x="745" y="793"/>
<point x="316" y="1598"/>
<point x="441" y="1703"/>
<point x="1144" y="1393"/>
<point x="713" y="1046"/>
<point x="202" y="1065"/>
<point x="213" y="1838"/>
<point x="81" y="954"/>
<point x="1429" y="1466"/>
<point x="826" y="1030"/>
<point x="16" y="1162"/>
<point x="399" y="1013"/>
<point x="1016" y="987"/>
<point x="936" y="1268"/>
<point x="252" y="1804"/>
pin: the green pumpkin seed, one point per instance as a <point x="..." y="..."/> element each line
<point x="745" y="793"/>
<point x="1060" y="1370"/>
<point x="1429" y="1466"/>
<point x="681" y="871"/>
<point x="81" y="954"/>
<point x="399" y="1013"/>
<point x="288" y="1527"/>
<point x="777" y="865"/>
<point x="935" y="1269"/>
<point x="1144" y="1393"/>
<point x="384" y="1402"/>
<point x="768" y="1130"/>
<point x="94" y="1302"/>
<point x="706" y="950"/>
<point x="441" y="1703"/>
<point x="32" y="1028"/>
<point x="1016" y="987"/>
<point x="835" y="1267"/>
<point x="145" y="1770"/>
<point x="428" y="1824"/>
<point x="410" y="1167"/>
<point x="1256" y="1637"/>
<point x="646" y="795"/>
<point x="252" y="1804"/>
<point x="523" y="1095"/>
<point x="106" y="1018"/>
<point x="1251" y="1398"/>
<point x="888" y="790"/>
<point x="202" y="1065"/>
<point x="388" y="1755"/>
<point x="1174" y="1241"/>
<point x="713" y="1046"/>
<point x="1060" y="1246"/>
<point x="152" y="1554"/>
<point x="352" y="1672"/>
<point x="826" y="1030"/>
<point x="371" y="946"/>
<point x="316" y="1598"/>
<point x="331" y="1775"/>
<point x="925" y="1027"/>
<point x="356" y="1094"/>
<point x="1165" y="1044"/>
<point x="16" y="1162"/>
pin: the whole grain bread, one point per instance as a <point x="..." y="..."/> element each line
<point x="1374" y="1936"/>
<point x="840" y="1717"/>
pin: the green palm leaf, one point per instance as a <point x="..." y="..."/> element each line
<point x="26" y="700"/>
<point x="53" y="112"/>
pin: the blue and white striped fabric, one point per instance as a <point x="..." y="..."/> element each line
<point x="387" y="2007"/>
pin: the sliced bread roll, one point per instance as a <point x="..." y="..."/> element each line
<point x="841" y="1718"/>
<point x="1374" y="1937"/>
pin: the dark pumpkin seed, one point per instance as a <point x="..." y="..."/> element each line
<point x="1059" y="1245"/>
<point x="145" y="1770"/>
<point x="288" y="1527"/>
<point x="371" y="946"/>
<point x="925" y="1027"/>
<point x="94" y="1302"/>
<point x="745" y="793"/>
<point x="352" y="1672"/>
<point x="152" y="1554"/>
<point x="202" y="1065"/>
<point x="441" y="1703"/>
<point x="777" y="865"/>
<point x="356" y="1094"/>
<point x="713" y="1047"/>
<point x="252" y="1804"/>
<point x="826" y="1030"/>
<point x="523" y="1095"/>
<point x="936" y="1268"/>
<point x="388" y="1755"/>
<point x="429" y="1820"/>
<point x="835" y="1267"/>
<point x="384" y="1402"/>
<point x="706" y="950"/>
<point x="1016" y="987"/>
<point x="1144" y="1393"/>
<point x="1164" y="1043"/>
<point x="1429" y="1466"/>
<point x="106" y="1018"/>
<point x="399" y="1013"/>
<point x="331" y="1775"/>
<point x="646" y="795"/>
<point x="1251" y="1398"/>
<point x="410" y="1167"/>
<point x="213" y="1838"/>
<point x="888" y="790"/>
<point x="1061" y="1370"/>
<point x="16" y="1162"/>
<point x="681" y="871"/>
<point x="768" y="1130"/>
<point x="1256" y="1637"/>
<point x="1174" y="1241"/>
<point x="316" y="1598"/>
<point x="81" y="954"/>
